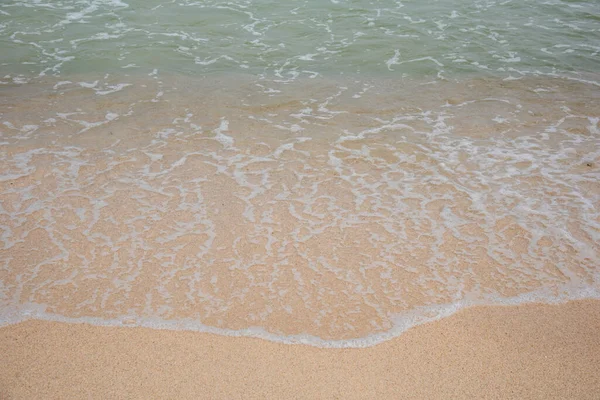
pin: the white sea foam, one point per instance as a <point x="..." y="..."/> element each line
<point x="381" y="223"/>
<point x="402" y="323"/>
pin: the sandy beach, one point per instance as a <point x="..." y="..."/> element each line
<point x="521" y="352"/>
<point x="291" y="200"/>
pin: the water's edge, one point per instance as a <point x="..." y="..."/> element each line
<point x="403" y="323"/>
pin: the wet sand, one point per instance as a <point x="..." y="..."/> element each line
<point x="311" y="212"/>
<point x="522" y="352"/>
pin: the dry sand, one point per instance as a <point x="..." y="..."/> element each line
<point x="523" y="352"/>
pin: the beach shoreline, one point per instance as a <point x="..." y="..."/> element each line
<point x="299" y="200"/>
<point x="530" y="351"/>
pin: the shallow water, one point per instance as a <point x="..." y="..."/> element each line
<point x="330" y="173"/>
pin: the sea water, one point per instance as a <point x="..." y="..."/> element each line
<point x="322" y="172"/>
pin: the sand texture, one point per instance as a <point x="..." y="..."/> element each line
<point x="523" y="352"/>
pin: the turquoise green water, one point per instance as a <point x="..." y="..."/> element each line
<point x="415" y="39"/>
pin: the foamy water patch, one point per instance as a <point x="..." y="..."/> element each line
<point x="385" y="211"/>
<point x="402" y="323"/>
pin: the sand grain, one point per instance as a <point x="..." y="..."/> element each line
<point x="524" y="352"/>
